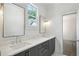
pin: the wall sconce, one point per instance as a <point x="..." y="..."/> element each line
<point x="46" y="25"/>
<point x="1" y="12"/>
<point x="1" y="9"/>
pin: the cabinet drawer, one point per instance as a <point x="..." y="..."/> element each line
<point x="45" y="44"/>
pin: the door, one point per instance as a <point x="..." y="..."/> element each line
<point x="77" y="33"/>
<point x="69" y="34"/>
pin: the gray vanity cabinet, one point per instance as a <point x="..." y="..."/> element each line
<point x="51" y="46"/>
<point x="34" y="51"/>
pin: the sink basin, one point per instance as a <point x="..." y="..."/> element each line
<point x="20" y="45"/>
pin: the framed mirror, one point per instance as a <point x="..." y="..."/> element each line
<point x="13" y="20"/>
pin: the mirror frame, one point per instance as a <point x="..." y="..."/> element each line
<point x="3" y="22"/>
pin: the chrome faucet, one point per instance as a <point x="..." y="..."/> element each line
<point x="18" y="40"/>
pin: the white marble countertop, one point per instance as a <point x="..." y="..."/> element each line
<point x="8" y="51"/>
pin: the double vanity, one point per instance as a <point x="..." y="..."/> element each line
<point x="43" y="46"/>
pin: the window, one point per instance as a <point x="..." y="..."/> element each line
<point x="32" y="15"/>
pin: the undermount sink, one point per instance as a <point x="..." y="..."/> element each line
<point x="20" y="45"/>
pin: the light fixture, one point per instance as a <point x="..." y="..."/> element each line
<point x="1" y="12"/>
<point x="1" y="9"/>
<point x="46" y="25"/>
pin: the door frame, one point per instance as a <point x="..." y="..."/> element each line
<point x="68" y="13"/>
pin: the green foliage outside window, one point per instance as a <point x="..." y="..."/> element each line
<point x="32" y="13"/>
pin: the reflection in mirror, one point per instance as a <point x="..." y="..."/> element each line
<point x="13" y="16"/>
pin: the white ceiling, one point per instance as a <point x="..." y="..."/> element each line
<point x="45" y="5"/>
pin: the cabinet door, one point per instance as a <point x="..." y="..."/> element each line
<point x="51" y="46"/>
<point x="34" y="51"/>
<point x="44" y="49"/>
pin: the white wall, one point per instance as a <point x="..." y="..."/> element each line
<point x="55" y="14"/>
